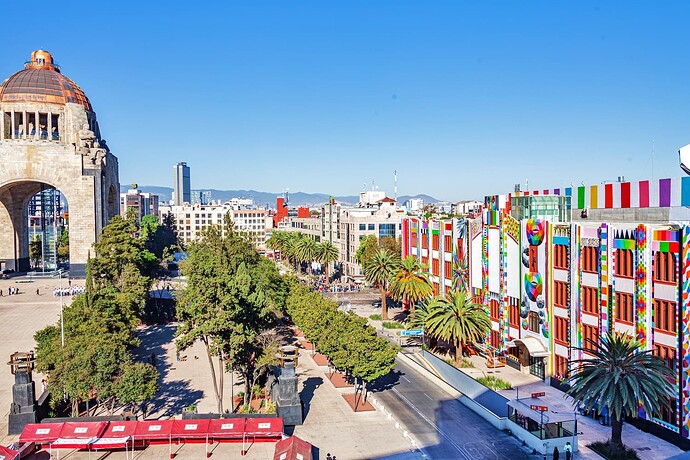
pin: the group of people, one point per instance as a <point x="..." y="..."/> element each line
<point x="70" y="291"/>
<point x="10" y="291"/>
<point x="567" y="450"/>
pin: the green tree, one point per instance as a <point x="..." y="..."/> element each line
<point x="379" y="270"/>
<point x="392" y="245"/>
<point x="63" y="244"/>
<point x="620" y="376"/>
<point x="137" y="384"/>
<point x="148" y="228"/>
<point x="36" y="250"/>
<point x="457" y="319"/>
<point x="411" y="283"/>
<point x="368" y="246"/>
<point x="230" y="298"/>
<point x="327" y="255"/>
<point x="307" y="251"/>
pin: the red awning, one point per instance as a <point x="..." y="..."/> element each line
<point x="292" y="448"/>
<point x="79" y="435"/>
<point x="116" y="435"/>
<point x="226" y="428"/>
<point x="40" y="433"/>
<point x="153" y="429"/>
<point x="8" y="454"/>
<point x="264" y="427"/>
<point x="190" y="429"/>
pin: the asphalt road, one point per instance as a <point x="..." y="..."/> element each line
<point x="443" y="426"/>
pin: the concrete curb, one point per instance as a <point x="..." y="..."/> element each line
<point x="433" y="378"/>
<point x="413" y="442"/>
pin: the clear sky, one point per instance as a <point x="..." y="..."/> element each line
<point x="462" y="98"/>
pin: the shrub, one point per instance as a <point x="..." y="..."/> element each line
<point x="375" y="317"/>
<point x="611" y="452"/>
<point x="494" y="382"/>
<point x="393" y="325"/>
<point x="466" y="363"/>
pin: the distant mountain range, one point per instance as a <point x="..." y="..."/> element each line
<point x="269" y="199"/>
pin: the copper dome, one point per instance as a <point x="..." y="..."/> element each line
<point x="41" y="81"/>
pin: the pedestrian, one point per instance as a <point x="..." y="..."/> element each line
<point x="153" y="359"/>
<point x="568" y="449"/>
<point x="177" y="356"/>
<point x="556" y="454"/>
<point x="328" y="456"/>
<point x="37" y="292"/>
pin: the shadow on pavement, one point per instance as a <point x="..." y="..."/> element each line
<point x="386" y="382"/>
<point x="173" y="396"/>
<point x="308" y="387"/>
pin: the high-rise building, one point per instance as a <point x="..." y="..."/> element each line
<point x="182" y="190"/>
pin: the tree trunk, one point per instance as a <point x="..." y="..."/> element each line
<point x="458" y="352"/>
<point x="384" y="305"/>
<point x="221" y="365"/>
<point x="213" y="376"/>
<point x="617" y="433"/>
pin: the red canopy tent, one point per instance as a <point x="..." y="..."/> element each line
<point x="78" y="435"/>
<point x="292" y="448"/>
<point x="116" y="436"/>
<point x="8" y="454"/>
<point x="190" y="429"/>
<point x="226" y="429"/>
<point x="153" y="430"/>
<point x="40" y="433"/>
<point x="264" y="428"/>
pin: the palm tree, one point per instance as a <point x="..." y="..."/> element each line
<point x="621" y="377"/>
<point x="411" y="283"/>
<point x="327" y="255"/>
<point x="379" y="270"/>
<point x="457" y="319"/>
<point x="422" y="311"/>
<point x="307" y="250"/>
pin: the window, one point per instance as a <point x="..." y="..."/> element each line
<point x="665" y="267"/>
<point x="371" y="227"/>
<point x="386" y="230"/>
<point x="494" y="339"/>
<point x="425" y="242"/>
<point x="560" y="333"/>
<point x="561" y="366"/>
<point x="589" y="259"/>
<point x="514" y="314"/>
<point x="667" y="354"/>
<point x="560" y="256"/>
<point x="624" y="307"/>
<point x="533" y="321"/>
<point x="624" y="263"/>
<point x="413" y="239"/>
<point x="447" y="243"/>
<point x="425" y="262"/>
<point x="362" y="227"/>
<point x="493" y="309"/>
<point x="667" y="414"/>
<point x="447" y="270"/>
<point x="560" y="296"/>
<point x="434" y="242"/>
<point x="435" y="266"/>
<point x="435" y="288"/>
<point x="590" y="300"/>
<point x="664" y="315"/>
<point x="589" y="334"/>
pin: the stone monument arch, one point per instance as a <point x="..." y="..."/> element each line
<point x="49" y="137"/>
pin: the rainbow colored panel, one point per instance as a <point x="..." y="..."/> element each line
<point x="623" y="244"/>
<point x="665" y="235"/>
<point x="665" y="246"/>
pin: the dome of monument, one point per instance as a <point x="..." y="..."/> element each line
<point x="41" y="81"/>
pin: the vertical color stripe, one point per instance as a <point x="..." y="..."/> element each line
<point x="644" y="194"/>
<point x="593" y="197"/>
<point x="608" y="199"/>
<point x="581" y="198"/>
<point x="625" y="195"/>
<point x="665" y="193"/>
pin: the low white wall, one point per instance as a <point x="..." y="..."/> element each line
<point x="543" y="446"/>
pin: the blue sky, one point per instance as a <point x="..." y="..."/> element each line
<point x="463" y="99"/>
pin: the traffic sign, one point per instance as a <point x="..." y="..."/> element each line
<point x="412" y="333"/>
<point x="539" y="408"/>
<point x="537" y="395"/>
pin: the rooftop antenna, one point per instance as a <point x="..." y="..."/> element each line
<point x="395" y="188"/>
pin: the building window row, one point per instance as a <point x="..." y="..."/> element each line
<point x="665" y="267"/>
<point x="624" y="263"/>
<point x="493" y="309"/>
<point x="560" y="330"/>
<point x="665" y="315"/>
<point x="560" y="257"/>
<point x="590" y="337"/>
<point x="624" y="307"/>
<point x="560" y="294"/>
<point x="590" y="259"/>
<point x="590" y="300"/>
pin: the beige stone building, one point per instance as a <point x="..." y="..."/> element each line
<point x="49" y="136"/>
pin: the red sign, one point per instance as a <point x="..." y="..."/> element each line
<point x="537" y="395"/>
<point x="539" y="408"/>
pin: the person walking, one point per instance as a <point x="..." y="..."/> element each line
<point x="568" y="449"/>
<point x="556" y="454"/>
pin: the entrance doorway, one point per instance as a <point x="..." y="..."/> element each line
<point x="536" y="367"/>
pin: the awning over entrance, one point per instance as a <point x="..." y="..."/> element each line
<point x="534" y="346"/>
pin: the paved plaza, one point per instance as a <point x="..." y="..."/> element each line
<point x="330" y="424"/>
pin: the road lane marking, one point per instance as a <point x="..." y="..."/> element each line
<point x="406" y="379"/>
<point x="447" y="438"/>
<point x="428" y="396"/>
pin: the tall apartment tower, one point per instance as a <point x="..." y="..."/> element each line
<point x="182" y="192"/>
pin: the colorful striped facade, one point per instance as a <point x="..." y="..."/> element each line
<point x="549" y="286"/>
